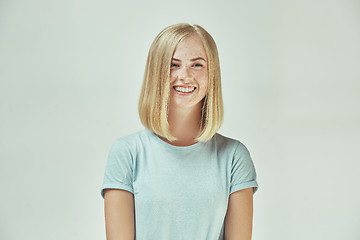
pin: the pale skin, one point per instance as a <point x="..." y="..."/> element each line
<point x="188" y="73"/>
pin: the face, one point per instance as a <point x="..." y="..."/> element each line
<point x="188" y="73"/>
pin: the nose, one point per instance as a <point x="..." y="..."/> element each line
<point x="185" y="74"/>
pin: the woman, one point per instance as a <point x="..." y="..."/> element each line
<point x="178" y="178"/>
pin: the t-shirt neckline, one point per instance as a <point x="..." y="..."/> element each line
<point x="169" y="146"/>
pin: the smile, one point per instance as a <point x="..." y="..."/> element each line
<point x="185" y="89"/>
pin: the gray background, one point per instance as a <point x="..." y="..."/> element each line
<point x="71" y="73"/>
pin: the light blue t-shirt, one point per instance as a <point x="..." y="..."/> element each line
<point x="180" y="193"/>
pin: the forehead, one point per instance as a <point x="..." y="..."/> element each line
<point x="190" y="47"/>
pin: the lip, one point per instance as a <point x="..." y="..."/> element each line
<point x="183" y="93"/>
<point x="184" y="86"/>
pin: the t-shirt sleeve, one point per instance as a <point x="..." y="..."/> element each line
<point x="243" y="174"/>
<point x="119" y="168"/>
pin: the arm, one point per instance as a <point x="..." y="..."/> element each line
<point x="119" y="215"/>
<point x="239" y="216"/>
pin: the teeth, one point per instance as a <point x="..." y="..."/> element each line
<point x="184" y="90"/>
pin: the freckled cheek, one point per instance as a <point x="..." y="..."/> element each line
<point x="203" y="79"/>
<point x="172" y="77"/>
<point x="201" y="75"/>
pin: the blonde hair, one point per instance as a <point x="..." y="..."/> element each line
<point x="154" y="97"/>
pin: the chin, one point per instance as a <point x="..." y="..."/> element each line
<point x="185" y="105"/>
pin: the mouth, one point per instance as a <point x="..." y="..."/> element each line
<point x="184" y="89"/>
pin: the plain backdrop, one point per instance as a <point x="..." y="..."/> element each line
<point x="70" y="78"/>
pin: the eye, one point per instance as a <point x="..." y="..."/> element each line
<point x="174" y="65"/>
<point x="198" y="65"/>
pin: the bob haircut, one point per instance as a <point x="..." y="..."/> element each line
<point x="154" y="97"/>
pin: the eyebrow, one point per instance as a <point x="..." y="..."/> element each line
<point x="194" y="59"/>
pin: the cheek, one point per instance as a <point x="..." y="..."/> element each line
<point x="201" y="75"/>
<point x="172" y="76"/>
<point x="203" y="80"/>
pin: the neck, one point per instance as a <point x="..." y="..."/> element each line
<point x="184" y="124"/>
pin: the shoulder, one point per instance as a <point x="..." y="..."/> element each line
<point x="133" y="141"/>
<point x="230" y="144"/>
<point x="134" y="138"/>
